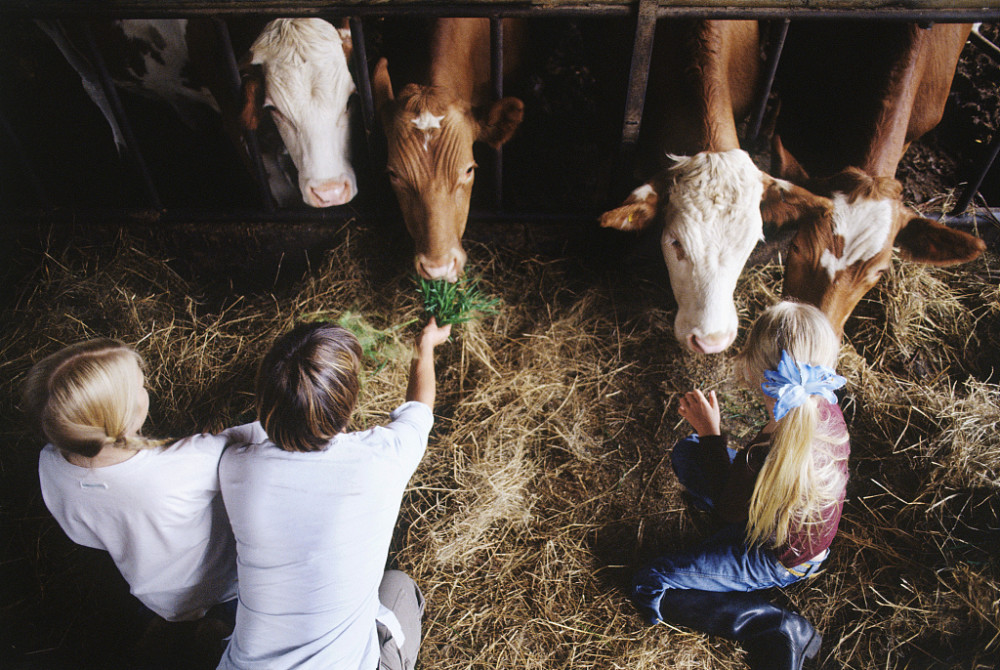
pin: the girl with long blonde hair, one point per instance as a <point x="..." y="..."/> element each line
<point x="154" y="505"/>
<point x="779" y="498"/>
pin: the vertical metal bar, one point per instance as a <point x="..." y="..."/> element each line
<point x="770" y="69"/>
<point x="638" y="78"/>
<point x="973" y="186"/>
<point x="364" y="83"/>
<point x="496" y="74"/>
<point x="364" y="87"/>
<point x="26" y="166"/>
<point x="249" y="136"/>
<point x="135" y="156"/>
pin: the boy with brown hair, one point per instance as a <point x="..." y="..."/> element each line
<point x="313" y="508"/>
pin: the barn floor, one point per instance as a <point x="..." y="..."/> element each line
<point x="546" y="479"/>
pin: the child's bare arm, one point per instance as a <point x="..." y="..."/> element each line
<point x="422" y="384"/>
<point x="701" y="412"/>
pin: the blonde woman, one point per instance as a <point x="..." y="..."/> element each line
<point x="779" y="498"/>
<point x="154" y="505"/>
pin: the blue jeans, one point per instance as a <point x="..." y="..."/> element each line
<point x="723" y="562"/>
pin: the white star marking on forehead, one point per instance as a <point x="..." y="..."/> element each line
<point x="426" y="122"/>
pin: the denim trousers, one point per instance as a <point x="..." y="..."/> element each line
<point x="723" y="562"/>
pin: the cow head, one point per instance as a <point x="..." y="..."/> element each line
<point x="713" y="205"/>
<point x="298" y="72"/>
<point x="839" y="252"/>
<point x="429" y="133"/>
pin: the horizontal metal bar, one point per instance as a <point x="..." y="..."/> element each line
<point x="32" y="216"/>
<point x="900" y="10"/>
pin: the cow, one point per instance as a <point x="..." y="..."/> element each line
<point x="852" y="98"/>
<point x="181" y="62"/>
<point x="430" y="127"/>
<point x="711" y="197"/>
<point x="298" y="72"/>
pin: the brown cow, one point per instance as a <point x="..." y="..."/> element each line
<point x="712" y="197"/>
<point x="853" y="96"/>
<point x="430" y="129"/>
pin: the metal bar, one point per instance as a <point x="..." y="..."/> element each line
<point x="364" y="83"/>
<point x="984" y="218"/>
<point x="938" y="10"/>
<point x="111" y="91"/>
<point x="974" y="184"/>
<point x="635" y="98"/>
<point x="989" y="48"/>
<point x="496" y="75"/>
<point x="770" y="70"/>
<point x="364" y="86"/>
<point x="27" y="168"/>
<point x="249" y="136"/>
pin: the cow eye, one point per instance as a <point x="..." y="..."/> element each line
<point x="470" y="170"/>
<point x="678" y="248"/>
<point x="273" y="110"/>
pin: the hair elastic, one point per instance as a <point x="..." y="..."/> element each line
<point x="793" y="382"/>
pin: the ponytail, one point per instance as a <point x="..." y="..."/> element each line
<point x="798" y="483"/>
<point x="86" y="397"/>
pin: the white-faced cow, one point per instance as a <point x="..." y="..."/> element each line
<point x="711" y="197"/>
<point x="430" y="128"/>
<point x="298" y="72"/>
<point x="853" y="97"/>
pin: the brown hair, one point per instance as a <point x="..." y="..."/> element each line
<point x="84" y="397"/>
<point x="308" y="385"/>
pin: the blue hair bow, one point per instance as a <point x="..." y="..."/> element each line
<point x="793" y="382"/>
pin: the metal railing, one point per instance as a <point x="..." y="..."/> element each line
<point x="645" y="13"/>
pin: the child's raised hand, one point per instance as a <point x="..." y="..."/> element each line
<point x="433" y="334"/>
<point x="701" y="412"/>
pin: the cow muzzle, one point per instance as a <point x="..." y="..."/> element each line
<point x="449" y="270"/>
<point x="710" y="344"/>
<point x="329" y="193"/>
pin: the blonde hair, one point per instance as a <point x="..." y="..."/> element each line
<point x="797" y="485"/>
<point x="84" y="398"/>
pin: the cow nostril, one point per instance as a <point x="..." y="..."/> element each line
<point x="695" y="344"/>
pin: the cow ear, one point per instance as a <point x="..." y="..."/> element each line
<point x="637" y="212"/>
<point x="784" y="164"/>
<point x="926" y="241"/>
<point x="252" y="77"/>
<point x="502" y="119"/>
<point x="347" y="42"/>
<point x="381" y="84"/>
<point x="783" y="202"/>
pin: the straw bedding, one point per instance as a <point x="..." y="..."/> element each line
<point x="547" y="481"/>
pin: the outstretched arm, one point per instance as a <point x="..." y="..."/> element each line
<point x="422" y="384"/>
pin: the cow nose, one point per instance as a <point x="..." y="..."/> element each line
<point x="330" y="193"/>
<point x="447" y="271"/>
<point x="710" y="344"/>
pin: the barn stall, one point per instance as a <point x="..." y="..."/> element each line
<point x="546" y="481"/>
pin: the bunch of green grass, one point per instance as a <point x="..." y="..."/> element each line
<point x="458" y="302"/>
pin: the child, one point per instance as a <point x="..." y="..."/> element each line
<point x="313" y="508"/>
<point x="156" y="509"/>
<point x="780" y="496"/>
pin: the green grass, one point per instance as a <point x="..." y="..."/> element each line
<point x="454" y="303"/>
